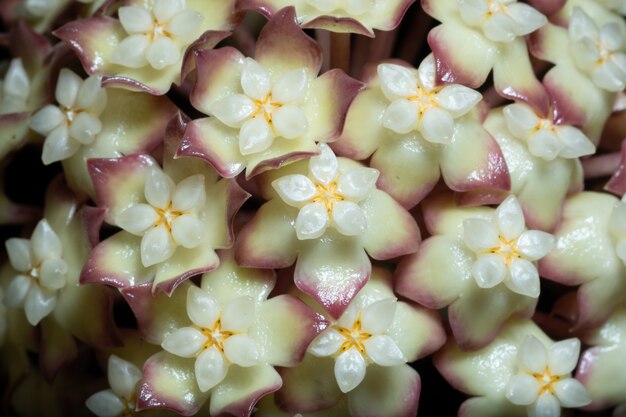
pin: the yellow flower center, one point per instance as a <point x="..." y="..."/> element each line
<point x="266" y="108"/>
<point x="424" y="100"/>
<point x="327" y="195"/>
<point x="158" y="31"/>
<point x="547" y="381"/>
<point x="354" y="337"/>
<point x="215" y="336"/>
<point x="507" y="249"/>
<point x="167" y="216"/>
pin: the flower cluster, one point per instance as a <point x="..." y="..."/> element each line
<point x="281" y="207"/>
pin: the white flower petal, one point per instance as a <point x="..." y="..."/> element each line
<point x="349" y="370"/>
<point x="67" y="87"/>
<point x="535" y="244"/>
<point x="295" y="189"/>
<point x="16" y="82"/>
<point x="210" y="369"/>
<point x="123" y="376"/>
<point x="16" y="291"/>
<point x="241" y="350"/>
<point x="189" y="194"/>
<point x="489" y="270"/>
<point x="571" y="393"/>
<point x="312" y="221"/>
<point x="523" y="278"/>
<point x="255" y="136"/>
<point x="458" y="99"/>
<point x="520" y="119"/>
<point x="480" y="235"/>
<point x="401" y="116"/>
<point x="575" y="142"/>
<point x="324" y="167"/>
<point x="546" y="406"/>
<point x="85" y="127"/>
<point x="611" y="36"/>
<point x="19" y="253"/>
<point x="38" y="304"/>
<point x="290" y="121"/>
<point x="358" y="7"/>
<point x="510" y="218"/>
<point x="47" y="119"/>
<point x="90" y="93"/>
<point x="58" y="146"/>
<point x="255" y="80"/>
<point x="383" y="351"/>
<point x="291" y="87"/>
<point x="377" y="317"/>
<point x="500" y="28"/>
<point x="585" y="53"/>
<point x="563" y="356"/>
<point x="545" y="144"/>
<point x="233" y="109"/>
<point x="164" y="10"/>
<point x="52" y="274"/>
<point x="397" y="81"/>
<point x="158" y="189"/>
<point x="523" y="389"/>
<point x="527" y="18"/>
<point x="582" y="26"/>
<point x="427" y="72"/>
<point x="185" y="26"/>
<point x="184" y="342"/>
<point x="437" y="125"/>
<point x="609" y="76"/>
<point x="238" y="314"/>
<point x="162" y="52"/>
<point x="137" y="219"/>
<point x="357" y="183"/>
<point x="131" y="51"/>
<point x="44" y="242"/>
<point x="532" y="355"/>
<point x="156" y="246"/>
<point x="202" y="309"/>
<point x="326" y="343"/>
<point x="188" y="231"/>
<point x="473" y="11"/>
<point x="105" y="404"/>
<point x="348" y="218"/>
<point x="135" y="19"/>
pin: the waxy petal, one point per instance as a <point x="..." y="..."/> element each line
<point x="58" y="146"/>
<point x="52" y="273"/>
<point x="123" y="376"/>
<point x="46" y="119"/>
<point x="546" y="406"/>
<point x="238" y="314"/>
<point x="458" y="99"/>
<point x="489" y="270"/>
<point x="383" y="351"/>
<point x="201" y="307"/>
<point x="523" y="278"/>
<point x="38" y="303"/>
<point x="480" y="235"/>
<point x="290" y="121"/>
<point x="131" y="51"/>
<point x="401" y="116"/>
<point x="137" y="219"/>
<point x="19" y="254"/>
<point x="349" y="370"/>
<point x="312" y="221"/>
<point x="210" y="369"/>
<point x="255" y="136"/>
<point x="437" y="125"/>
<point x="105" y="404"/>
<point x="378" y="316"/>
<point x="255" y="80"/>
<point x="532" y="355"/>
<point x="156" y="246"/>
<point x="291" y="86"/>
<point x="563" y="356"/>
<point x="241" y="350"/>
<point x="185" y="342"/>
<point x="324" y="167"/>
<point x="327" y="343"/>
<point x="348" y="218"/>
<point x="233" y="109"/>
<point x="15" y="294"/>
<point x="535" y="244"/>
<point x="295" y="189"/>
<point x="522" y="389"/>
<point x="67" y="87"/>
<point x="571" y="393"/>
<point x="189" y="194"/>
<point x="188" y="231"/>
<point x="135" y="19"/>
<point x="158" y="189"/>
<point x="397" y="81"/>
<point x="510" y="218"/>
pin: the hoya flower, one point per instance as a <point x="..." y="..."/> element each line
<point x="479" y="263"/>
<point x="543" y="167"/>
<point x="15" y="88"/>
<point x="151" y="44"/>
<point x="372" y="341"/>
<point x="352" y="16"/>
<point x="41" y="272"/>
<point x="477" y="36"/>
<point x="75" y="121"/>
<point x="416" y="131"/>
<point x="543" y="382"/>
<point x="588" y="251"/>
<point x="327" y="197"/>
<point x="327" y="214"/>
<point x="545" y="138"/>
<point x="267" y="111"/>
<point x="120" y="399"/>
<point x="602" y="365"/>
<point x="221" y="340"/>
<point x="172" y="218"/>
<point x="520" y="373"/>
<point x="505" y="251"/>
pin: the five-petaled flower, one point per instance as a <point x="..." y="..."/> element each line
<point x="120" y="399"/>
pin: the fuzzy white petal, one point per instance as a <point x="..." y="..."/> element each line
<point x="210" y="369"/>
<point x="324" y="167"/>
<point x="52" y="274"/>
<point x="522" y="389"/>
<point x="105" y="404"/>
<point x="47" y="119"/>
<point x="401" y="116"/>
<point x="489" y="270"/>
<point x="571" y="393"/>
<point x="535" y="244"/>
<point x="458" y="99"/>
<point x="349" y="370"/>
<point x="156" y="246"/>
<point x="437" y="125"/>
<point x="563" y="356"/>
<point x="291" y="87"/>
<point x="202" y="309"/>
<point x="480" y="235"/>
<point x="233" y="109"/>
<point x="357" y="183"/>
<point x="137" y="219"/>
<point x="312" y="221"/>
<point x="255" y="80"/>
<point x="295" y="189"/>
<point x="162" y="52"/>
<point x="39" y="303"/>
<point x="184" y="342"/>
<point x="255" y="136"/>
<point x="123" y="376"/>
<point x="532" y="355"/>
<point x="397" y="81"/>
<point x="523" y="278"/>
<point x="239" y="314"/>
<point x="383" y="351"/>
<point x="377" y="317"/>
<point x="135" y="19"/>
<point x="188" y="231"/>
<point x="19" y="253"/>
<point x="510" y="218"/>
<point x="348" y="218"/>
<point x="326" y="343"/>
<point x="241" y="350"/>
<point x="158" y="189"/>
<point x="290" y="121"/>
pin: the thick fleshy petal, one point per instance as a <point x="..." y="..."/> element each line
<point x="255" y="136"/>
<point x="15" y="293"/>
<point x="571" y="393"/>
<point x="188" y="231"/>
<point x="575" y="142"/>
<point x="546" y="406"/>
<point x="67" y="87"/>
<point x="349" y="370"/>
<point x="458" y="99"/>
<point x="383" y="351"/>
<point x="489" y="270"/>
<point x="510" y="218"/>
<point x="58" y="146"/>
<point x="156" y="246"/>
<point x="53" y="273"/>
<point x="135" y="19"/>
<point x="401" y="116"/>
<point x="480" y="235"/>
<point x="545" y="144"/>
<point x="378" y="316"/>
<point x="185" y="342"/>
<point x="324" y="167"/>
<point x="563" y="356"/>
<point x="527" y="18"/>
<point x="348" y="218"/>
<point x="238" y="314"/>
<point x="162" y="53"/>
<point x="45" y="242"/>
<point x="255" y="80"/>
<point x="123" y="376"/>
<point x="189" y="194"/>
<point x="19" y="254"/>
<point x="535" y="244"/>
<point x="136" y="219"/>
<point x="291" y="86"/>
<point x="85" y="127"/>
<point x="532" y="355"/>
<point x="131" y="51"/>
<point x="233" y="109"/>
<point x="38" y="303"/>
<point x="164" y="10"/>
<point x="523" y="389"/>
<point x="241" y="350"/>
<point x="158" y="189"/>
<point x="210" y="369"/>
<point x="46" y="119"/>
<point x="312" y="221"/>
<point x="327" y="343"/>
<point x="520" y="119"/>
<point x="437" y="125"/>
<point x="357" y="183"/>
<point x="523" y="278"/>
<point x="290" y="121"/>
<point x="397" y="81"/>
<point x="201" y="307"/>
<point x="295" y="189"/>
<point x="105" y="404"/>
